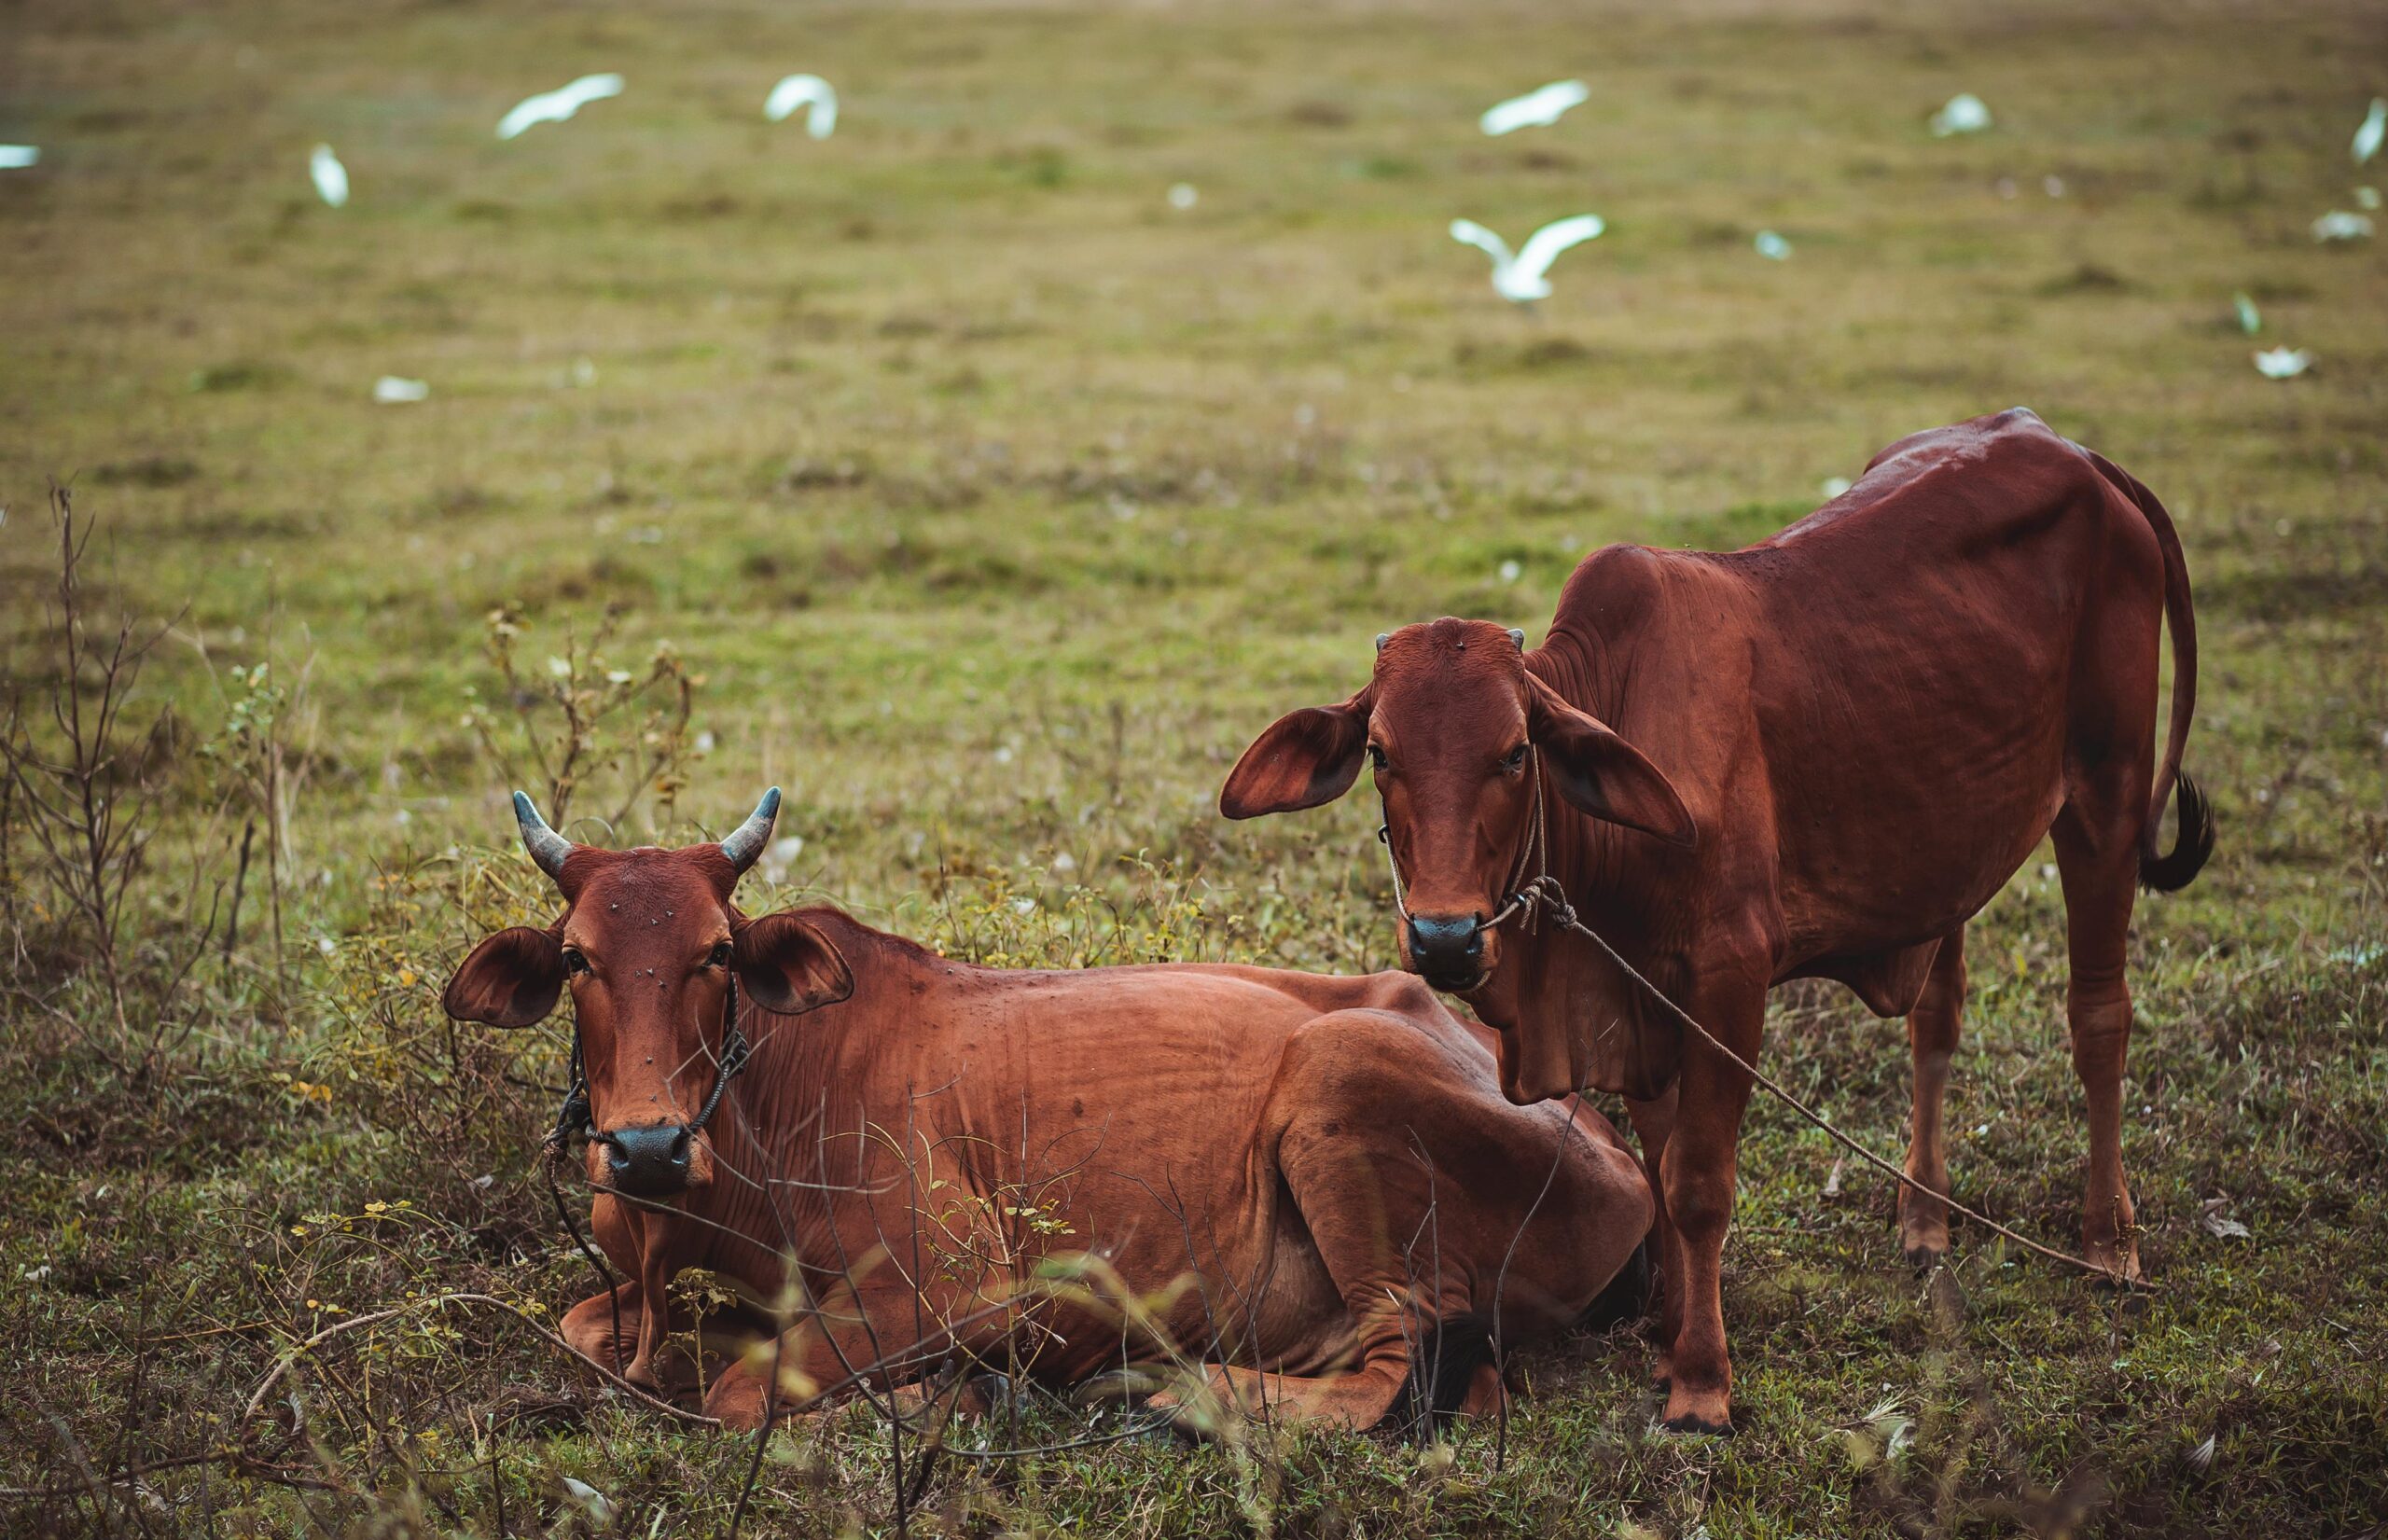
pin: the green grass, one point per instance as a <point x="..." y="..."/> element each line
<point x="998" y="504"/>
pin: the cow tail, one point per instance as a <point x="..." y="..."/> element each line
<point x="2171" y="871"/>
<point x="1442" y="1367"/>
<point x="1627" y="1296"/>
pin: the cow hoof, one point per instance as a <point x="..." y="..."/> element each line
<point x="1690" y="1411"/>
<point x="2117" y="1270"/>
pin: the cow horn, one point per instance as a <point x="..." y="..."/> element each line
<point x="547" y="847"/>
<point x="1518" y="637"/>
<point x="746" y="841"/>
<point x="1383" y="637"/>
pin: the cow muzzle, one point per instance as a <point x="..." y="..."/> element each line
<point x="1448" y="951"/>
<point x="648" y="1162"/>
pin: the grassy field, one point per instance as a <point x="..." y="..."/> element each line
<point x="989" y="503"/>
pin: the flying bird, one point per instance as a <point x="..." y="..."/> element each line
<point x="1772" y="246"/>
<point x="2282" y="363"/>
<point x="555" y="105"/>
<point x="18" y="157"/>
<point x="2251" y="321"/>
<point x="331" y="177"/>
<point x="1520" y="277"/>
<point x="804" y="90"/>
<point x="1536" y="109"/>
<point x="396" y="390"/>
<point x="2374" y="130"/>
<point x="1966" y="113"/>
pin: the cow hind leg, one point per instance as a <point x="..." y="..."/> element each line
<point x="1446" y="1371"/>
<point x="2097" y="853"/>
<point x="1931" y="1028"/>
<point x="1442" y="1218"/>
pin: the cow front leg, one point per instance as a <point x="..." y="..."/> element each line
<point x="1931" y="1028"/>
<point x="1653" y="1122"/>
<point x="658" y="1267"/>
<point x="1697" y="1177"/>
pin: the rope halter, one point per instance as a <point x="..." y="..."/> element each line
<point x="572" y="1119"/>
<point x="1527" y="897"/>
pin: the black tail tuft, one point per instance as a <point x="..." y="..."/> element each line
<point x="2191" y="844"/>
<point x="1439" y="1375"/>
<point x="1626" y="1298"/>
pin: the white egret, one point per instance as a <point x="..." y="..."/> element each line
<point x="2282" y="363"/>
<point x="1535" y="108"/>
<point x="2373" y="130"/>
<point x="555" y="105"/>
<point x="331" y="177"/>
<point x="395" y="390"/>
<point x="1965" y="112"/>
<point x="1520" y="277"/>
<point x="18" y="157"/>
<point x="804" y="90"/>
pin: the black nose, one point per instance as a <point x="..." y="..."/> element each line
<point x="1447" y="946"/>
<point x="650" y="1162"/>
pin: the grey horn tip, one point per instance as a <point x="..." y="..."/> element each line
<point x="1383" y="637"/>
<point x="547" y="847"/>
<point x="1518" y="637"/>
<point x="745" y="842"/>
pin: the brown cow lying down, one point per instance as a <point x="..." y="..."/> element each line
<point x="1817" y="757"/>
<point x="1315" y="1183"/>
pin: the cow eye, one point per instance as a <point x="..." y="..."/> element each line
<point x="574" y="964"/>
<point x="719" y="957"/>
<point x="1377" y="760"/>
<point x="1516" y="760"/>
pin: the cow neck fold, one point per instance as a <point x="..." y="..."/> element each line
<point x="798" y="1108"/>
<point x="1606" y="872"/>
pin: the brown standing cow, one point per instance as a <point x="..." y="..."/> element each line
<point x="916" y="1145"/>
<point x="1816" y="757"/>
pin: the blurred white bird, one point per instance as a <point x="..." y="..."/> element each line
<point x="2339" y="225"/>
<point x="331" y="177"/>
<point x="2251" y="321"/>
<point x="2282" y="363"/>
<point x="1520" y="277"/>
<point x="1182" y="196"/>
<point x="600" y="1509"/>
<point x="555" y="105"/>
<point x="1964" y="114"/>
<point x="18" y="157"/>
<point x="804" y="90"/>
<point x="1772" y="246"/>
<point x="1836" y="485"/>
<point x="392" y="390"/>
<point x="1535" y="108"/>
<point x="2367" y="138"/>
<point x="2367" y="198"/>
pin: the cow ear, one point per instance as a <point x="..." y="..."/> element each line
<point x="1306" y="757"/>
<point x="511" y="979"/>
<point x="788" y="965"/>
<point x="1602" y="774"/>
